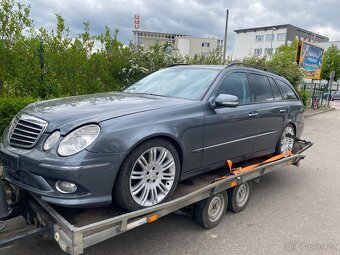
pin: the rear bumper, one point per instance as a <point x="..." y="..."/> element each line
<point x="299" y="129"/>
<point x="93" y="173"/>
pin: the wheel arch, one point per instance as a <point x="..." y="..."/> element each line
<point x="168" y="137"/>
<point x="293" y="125"/>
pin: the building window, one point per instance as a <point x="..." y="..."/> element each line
<point x="257" y="52"/>
<point x="268" y="51"/>
<point x="281" y="37"/>
<point x="205" y="44"/>
<point x="259" y="38"/>
<point x="270" y="37"/>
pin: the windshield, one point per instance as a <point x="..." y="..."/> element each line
<point x="188" y="83"/>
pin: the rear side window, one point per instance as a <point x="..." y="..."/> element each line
<point x="276" y="91"/>
<point x="287" y="92"/>
<point x="262" y="89"/>
<point x="236" y="84"/>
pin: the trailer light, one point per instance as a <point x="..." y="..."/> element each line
<point x="153" y="218"/>
<point x="65" y="187"/>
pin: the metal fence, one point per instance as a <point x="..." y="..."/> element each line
<point x="319" y="89"/>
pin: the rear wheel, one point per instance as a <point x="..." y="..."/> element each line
<point x="209" y="213"/>
<point x="239" y="197"/>
<point x="286" y="140"/>
<point x="148" y="176"/>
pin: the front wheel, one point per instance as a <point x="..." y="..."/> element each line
<point x="148" y="176"/>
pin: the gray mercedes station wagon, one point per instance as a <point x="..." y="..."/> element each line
<point x="133" y="147"/>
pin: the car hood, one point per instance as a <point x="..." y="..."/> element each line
<point x="68" y="113"/>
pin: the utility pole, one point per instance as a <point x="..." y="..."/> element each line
<point x="330" y="84"/>
<point x="271" y="42"/>
<point x="225" y="35"/>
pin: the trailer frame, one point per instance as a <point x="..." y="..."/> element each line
<point x="74" y="239"/>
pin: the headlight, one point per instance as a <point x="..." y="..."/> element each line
<point x="78" y="140"/>
<point x="51" y="140"/>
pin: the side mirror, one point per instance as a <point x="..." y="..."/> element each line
<point x="225" y="100"/>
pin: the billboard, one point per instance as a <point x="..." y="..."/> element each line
<point x="310" y="60"/>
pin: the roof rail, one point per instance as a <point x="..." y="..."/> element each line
<point x="253" y="66"/>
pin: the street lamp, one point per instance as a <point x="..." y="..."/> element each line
<point x="271" y="42"/>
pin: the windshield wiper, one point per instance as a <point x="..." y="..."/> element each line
<point x="149" y="94"/>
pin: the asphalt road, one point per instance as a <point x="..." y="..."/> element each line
<point x="291" y="211"/>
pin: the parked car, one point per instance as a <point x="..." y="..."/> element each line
<point x="335" y="95"/>
<point x="133" y="147"/>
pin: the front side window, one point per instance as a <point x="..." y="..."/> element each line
<point x="287" y="92"/>
<point x="236" y="84"/>
<point x="188" y="83"/>
<point x="262" y="89"/>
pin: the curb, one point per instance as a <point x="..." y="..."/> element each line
<point x="320" y="112"/>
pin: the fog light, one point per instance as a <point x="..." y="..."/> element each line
<point x="65" y="187"/>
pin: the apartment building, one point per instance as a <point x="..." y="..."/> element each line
<point x="263" y="41"/>
<point x="187" y="45"/>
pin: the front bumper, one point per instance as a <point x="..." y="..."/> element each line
<point x="93" y="173"/>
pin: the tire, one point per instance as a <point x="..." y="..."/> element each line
<point x="315" y="104"/>
<point x="150" y="183"/>
<point x="236" y="203"/>
<point x="289" y="141"/>
<point x="206" y="215"/>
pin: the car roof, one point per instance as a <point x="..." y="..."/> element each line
<point x="216" y="67"/>
<point x="236" y="65"/>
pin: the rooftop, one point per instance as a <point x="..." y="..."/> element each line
<point x="265" y="28"/>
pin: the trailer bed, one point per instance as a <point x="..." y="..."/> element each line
<point x="76" y="229"/>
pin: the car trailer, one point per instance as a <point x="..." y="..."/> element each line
<point x="206" y="197"/>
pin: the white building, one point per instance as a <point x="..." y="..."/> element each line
<point x="326" y="45"/>
<point x="263" y="41"/>
<point x="187" y="45"/>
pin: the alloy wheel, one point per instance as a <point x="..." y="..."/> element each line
<point x="152" y="176"/>
<point x="287" y="142"/>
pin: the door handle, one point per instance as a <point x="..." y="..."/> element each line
<point x="253" y="114"/>
<point x="283" y="110"/>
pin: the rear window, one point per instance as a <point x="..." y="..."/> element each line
<point x="262" y="89"/>
<point x="276" y="91"/>
<point x="287" y="92"/>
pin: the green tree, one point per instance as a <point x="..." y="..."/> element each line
<point x="283" y="62"/>
<point x="331" y="62"/>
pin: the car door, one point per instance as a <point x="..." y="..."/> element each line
<point x="229" y="132"/>
<point x="272" y="111"/>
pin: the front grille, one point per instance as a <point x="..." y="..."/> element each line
<point x="25" y="131"/>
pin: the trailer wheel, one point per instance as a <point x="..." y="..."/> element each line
<point x="239" y="197"/>
<point x="209" y="213"/>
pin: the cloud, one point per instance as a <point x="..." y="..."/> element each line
<point x="192" y="17"/>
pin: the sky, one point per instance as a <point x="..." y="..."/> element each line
<point x="191" y="17"/>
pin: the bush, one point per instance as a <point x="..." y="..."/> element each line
<point x="9" y="107"/>
<point x="304" y="96"/>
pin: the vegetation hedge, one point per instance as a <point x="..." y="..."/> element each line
<point x="9" y="107"/>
